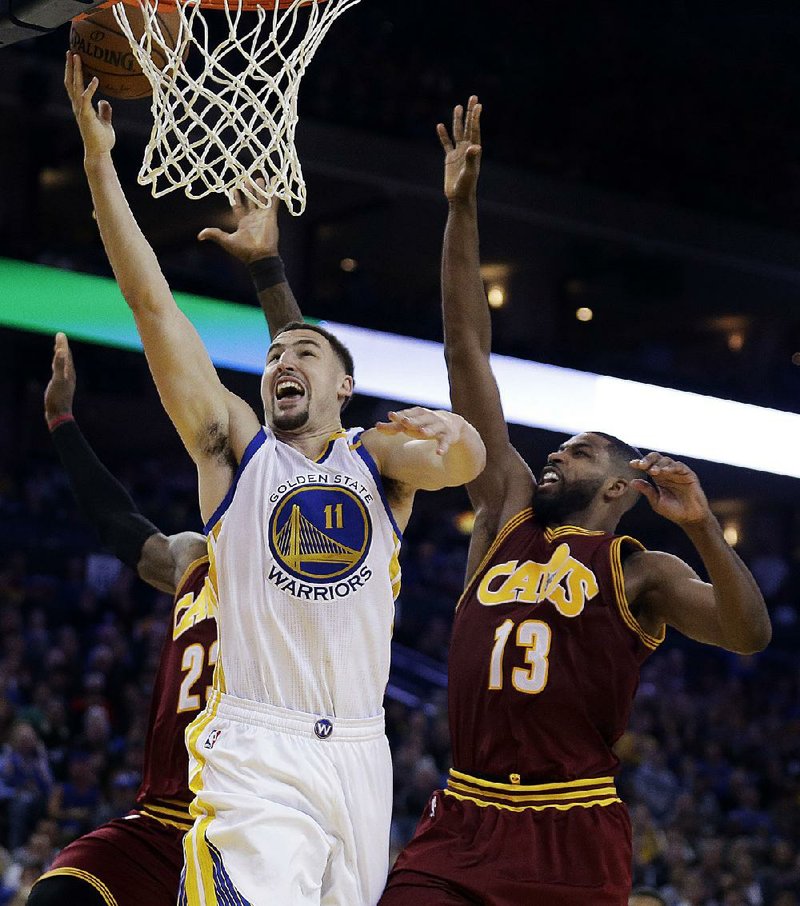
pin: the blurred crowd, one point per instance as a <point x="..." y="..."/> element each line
<point x="710" y="765"/>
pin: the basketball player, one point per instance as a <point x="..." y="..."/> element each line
<point x="138" y="859"/>
<point x="551" y="630"/>
<point x="289" y="761"/>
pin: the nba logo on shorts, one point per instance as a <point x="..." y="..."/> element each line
<point x="323" y="728"/>
<point x="213" y="736"/>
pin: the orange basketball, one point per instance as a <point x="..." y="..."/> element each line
<point x="105" y="52"/>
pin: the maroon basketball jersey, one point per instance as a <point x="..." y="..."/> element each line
<point x="181" y="685"/>
<point x="545" y="656"/>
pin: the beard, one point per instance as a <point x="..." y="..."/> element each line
<point x="291" y="421"/>
<point x="555" y="506"/>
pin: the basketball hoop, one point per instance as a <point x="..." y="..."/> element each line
<point x="228" y="112"/>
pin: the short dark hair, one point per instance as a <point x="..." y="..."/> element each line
<point x="342" y="352"/>
<point x="648" y="891"/>
<point x="618" y="449"/>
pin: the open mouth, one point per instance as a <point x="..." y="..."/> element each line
<point x="549" y="476"/>
<point x="289" y="389"/>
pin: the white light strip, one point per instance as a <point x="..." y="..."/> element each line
<point x="563" y="400"/>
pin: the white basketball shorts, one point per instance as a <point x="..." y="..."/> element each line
<point x="289" y="808"/>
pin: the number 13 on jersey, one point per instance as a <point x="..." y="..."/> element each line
<point x="532" y="635"/>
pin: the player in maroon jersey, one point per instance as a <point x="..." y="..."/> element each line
<point x="137" y="859"/>
<point x="550" y="633"/>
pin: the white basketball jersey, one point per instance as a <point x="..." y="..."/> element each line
<point x="304" y="563"/>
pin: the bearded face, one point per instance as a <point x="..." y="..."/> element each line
<point x="557" y="499"/>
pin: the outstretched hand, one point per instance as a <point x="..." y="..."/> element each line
<point x="462" y="162"/>
<point x="674" y="491"/>
<point x="95" y="125"/>
<point x="60" y="390"/>
<point x="424" y="424"/>
<point x="256" y="234"/>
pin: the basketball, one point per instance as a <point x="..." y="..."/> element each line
<point x="105" y="52"/>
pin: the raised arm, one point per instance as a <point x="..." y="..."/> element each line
<point x="159" y="560"/>
<point x="506" y="485"/>
<point x="729" y="611"/>
<point x="424" y="450"/>
<point x="255" y="243"/>
<point x="214" y="425"/>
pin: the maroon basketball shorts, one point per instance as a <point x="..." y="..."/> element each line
<point x="130" y="861"/>
<point x="492" y="844"/>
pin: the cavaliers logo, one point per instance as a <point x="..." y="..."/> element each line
<point x="320" y="533"/>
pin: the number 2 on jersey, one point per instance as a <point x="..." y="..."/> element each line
<point x="532" y="635"/>
<point x="193" y="661"/>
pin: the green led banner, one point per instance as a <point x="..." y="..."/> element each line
<point x="86" y="307"/>
<point x="393" y="367"/>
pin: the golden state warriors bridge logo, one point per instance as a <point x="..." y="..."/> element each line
<point x="320" y="536"/>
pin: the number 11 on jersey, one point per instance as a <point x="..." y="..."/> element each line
<point x="532" y="635"/>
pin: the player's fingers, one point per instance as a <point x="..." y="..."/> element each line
<point x="476" y="123"/>
<point x="389" y="427"/>
<point x="214" y="234"/>
<point x="473" y="156"/>
<point x="88" y="94"/>
<point x="68" y="73"/>
<point x="645" y="489"/>
<point x="444" y="137"/>
<point x="470" y="117"/>
<point x="646" y="461"/>
<point x="77" y="75"/>
<point x="458" y="123"/>
<point x="104" y="112"/>
<point x="238" y="202"/>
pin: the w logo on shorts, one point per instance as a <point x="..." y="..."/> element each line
<point x="213" y="736"/>
<point x="323" y="728"/>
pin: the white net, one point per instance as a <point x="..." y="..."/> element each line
<point x="225" y="104"/>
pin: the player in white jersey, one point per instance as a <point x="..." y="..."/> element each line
<point x="289" y="763"/>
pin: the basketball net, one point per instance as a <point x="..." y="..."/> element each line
<point x="232" y="118"/>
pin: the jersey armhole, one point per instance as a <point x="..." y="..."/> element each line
<point x="501" y="536"/>
<point x="621" y="598"/>
<point x="357" y="446"/>
<point x="252" y="448"/>
<point x="188" y="574"/>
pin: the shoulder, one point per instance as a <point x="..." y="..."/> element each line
<point x="648" y="572"/>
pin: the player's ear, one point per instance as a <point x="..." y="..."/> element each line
<point x="616" y="488"/>
<point x="345" y="391"/>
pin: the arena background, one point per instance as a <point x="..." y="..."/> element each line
<point x="641" y="163"/>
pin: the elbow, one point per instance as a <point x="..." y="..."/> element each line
<point x="760" y="640"/>
<point x="471" y="464"/>
<point x="756" y="639"/>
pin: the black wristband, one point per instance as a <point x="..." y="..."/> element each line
<point x="267" y="272"/>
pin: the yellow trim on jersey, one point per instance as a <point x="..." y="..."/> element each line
<point x="534" y="788"/>
<point x="330" y="442"/>
<point x="539" y="796"/>
<point x="395" y="576"/>
<point x="184" y="826"/>
<point x="193" y="565"/>
<point x="199" y="885"/>
<point x="504" y="532"/>
<point x="561" y="807"/>
<point x="546" y="797"/>
<point x="98" y="885"/>
<point x="621" y="598"/>
<point x="551" y="534"/>
<point x="169" y="812"/>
